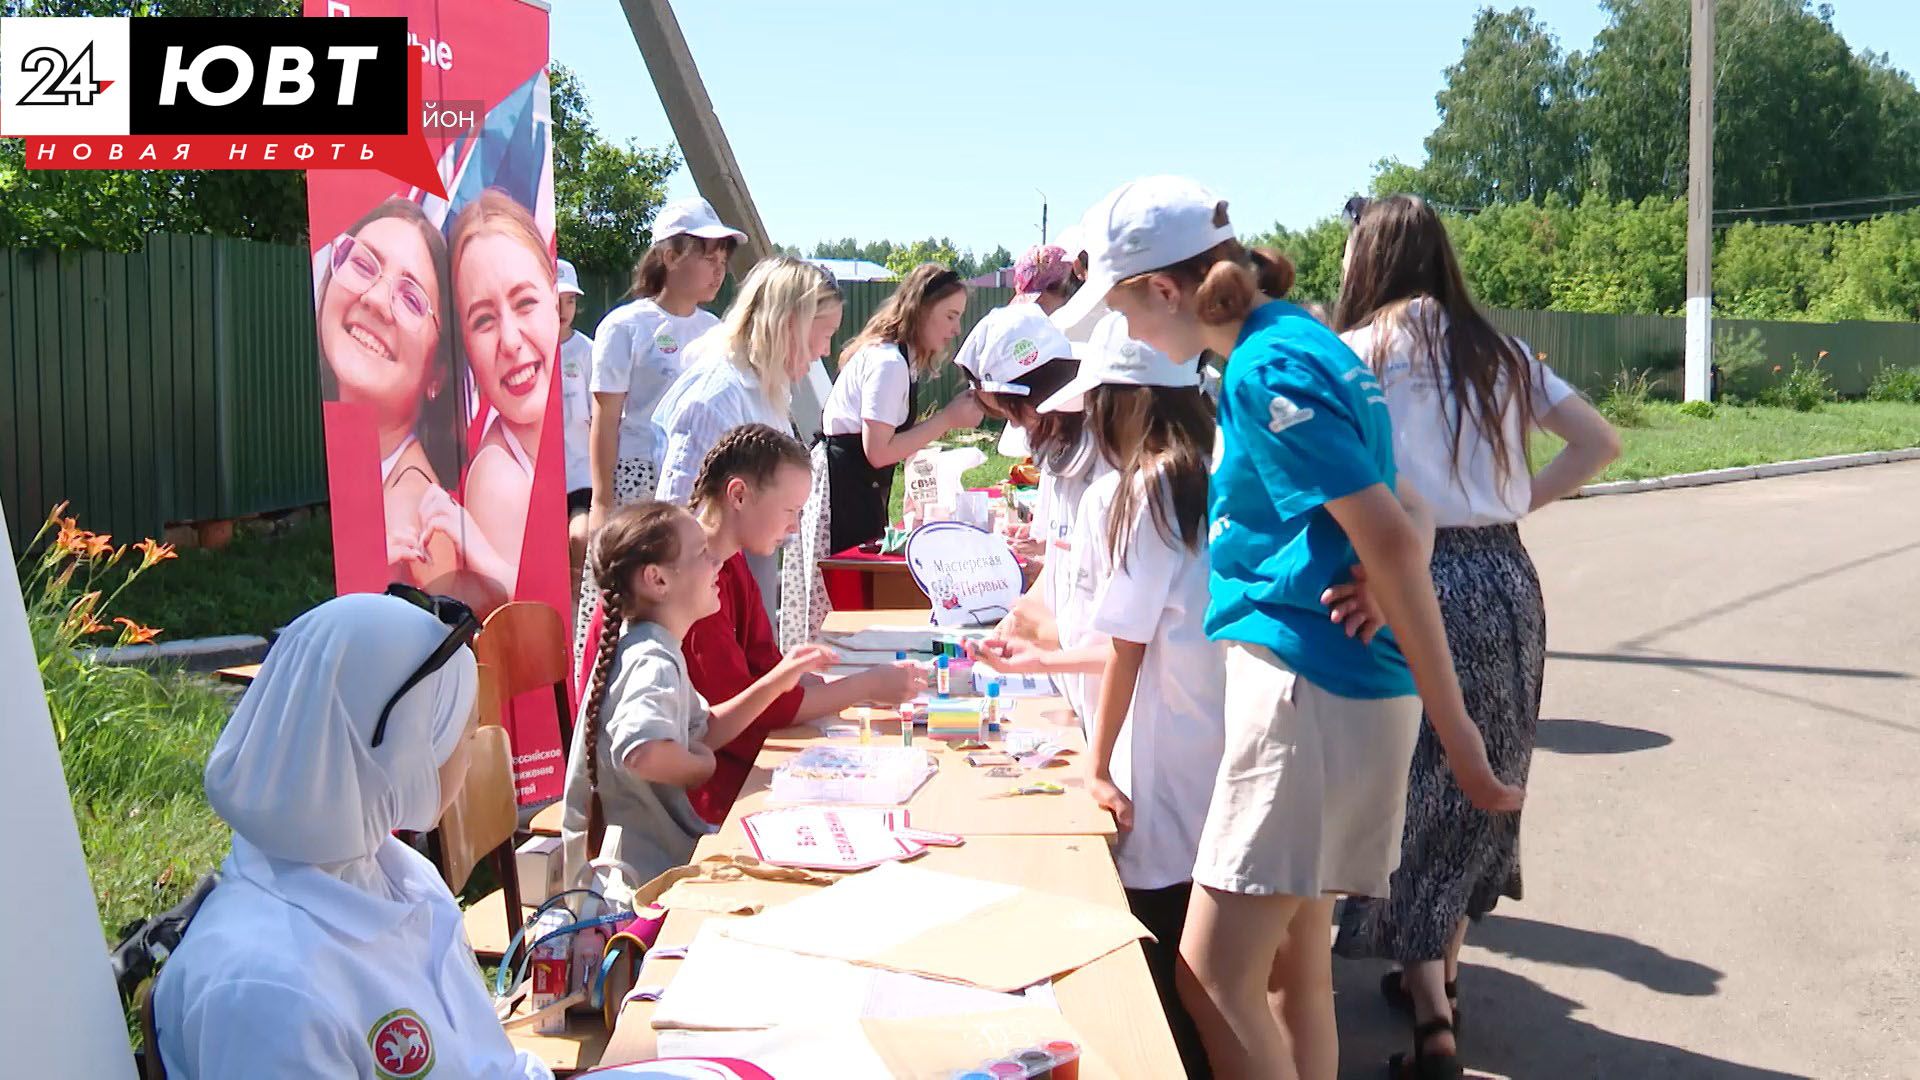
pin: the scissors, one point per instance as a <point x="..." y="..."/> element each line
<point x="1038" y="787"/>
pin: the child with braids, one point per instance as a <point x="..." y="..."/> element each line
<point x="645" y="734"/>
<point x="748" y="496"/>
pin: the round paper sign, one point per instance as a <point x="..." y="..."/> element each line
<point x="969" y="574"/>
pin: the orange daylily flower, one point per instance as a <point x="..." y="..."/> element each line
<point x="1822" y="356"/>
<point x="151" y="552"/>
<point x="135" y="634"/>
<point x="98" y="544"/>
<point x="53" y="515"/>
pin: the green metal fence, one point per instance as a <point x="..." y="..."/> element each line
<point x="179" y="383"/>
<point x="171" y="384"/>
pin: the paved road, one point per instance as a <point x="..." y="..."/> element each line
<point x="1722" y="840"/>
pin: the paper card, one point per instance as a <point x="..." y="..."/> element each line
<point x="941" y="1047"/>
<point x="829" y="838"/>
<point x="938" y="932"/>
<point x="885" y="639"/>
<point x="839" y="1050"/>
<point x="969" y="574"/>
<point x="1012" y="686"/>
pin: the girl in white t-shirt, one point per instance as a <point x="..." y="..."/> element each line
<point x="638" y="351"/>
<point x="1463" y="399"/>
<point x="870" y="420"/>
<point x="639" y="347"/>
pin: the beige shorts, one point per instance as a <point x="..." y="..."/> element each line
<point x="1312" y="792"/>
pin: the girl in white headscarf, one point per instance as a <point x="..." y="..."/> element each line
<point x="329" y="948"/>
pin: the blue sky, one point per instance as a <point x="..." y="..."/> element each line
<point x="896" y="120"/>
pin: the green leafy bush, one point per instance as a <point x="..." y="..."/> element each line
<point x="1803" y="389"/>
<point x="1699" y="410"/>
<point x="1898" y="384"/>
<point x="1625" y="402"/>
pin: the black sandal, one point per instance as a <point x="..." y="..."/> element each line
<point x="1426" y="1066"/>
<point x="1394" y="989"/>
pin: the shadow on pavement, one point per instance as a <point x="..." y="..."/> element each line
<point x="1567" y="946"/>
<point x="1594" y="737"/>
<point x="1670" y="660"/>
<point x="1515" y="1028"/>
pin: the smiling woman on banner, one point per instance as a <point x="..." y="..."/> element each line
<point x="329" y="948"/>
<point x="505" y="296"/>
<point x="379" y="321"/>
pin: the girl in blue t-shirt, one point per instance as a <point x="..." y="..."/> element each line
<point x="1322" y="713"/>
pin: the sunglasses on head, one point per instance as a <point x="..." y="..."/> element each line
<point x="452" y="613"/>
<point x="1355" y="207"/>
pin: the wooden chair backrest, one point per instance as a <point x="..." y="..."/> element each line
<point x="490" y="701"/>
<point x="486" y="813"/>
<point x="527" y="643"/>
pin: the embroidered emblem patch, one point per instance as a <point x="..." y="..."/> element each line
<point x="1285" y="414"/>
<point x="402" y="1048"/>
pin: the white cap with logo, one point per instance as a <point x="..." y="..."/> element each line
<point x="1142" y="226"/>
<point x="1111" y="358"/>
<point x="692" y="217"/>
<point x="1006" y="344"/>
<point x="567" y="279"/>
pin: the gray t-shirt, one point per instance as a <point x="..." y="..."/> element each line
<point x="649" y="697"/>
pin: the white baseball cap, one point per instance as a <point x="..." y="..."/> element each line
<point x="567" y="278"/>
<point x="692" y="217"/>
<point x="1006" y="344"/>
<point x="1072" y="241"/>
<point x="1143" y="226"/>
<point x="1111" y="358"/>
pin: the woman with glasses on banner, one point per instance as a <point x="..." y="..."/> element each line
<point x="379" y="321"/>
<point x="329" y="948"/>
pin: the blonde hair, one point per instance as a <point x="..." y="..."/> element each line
<point x="899" y="318"/>
<point x="770" y="315"/>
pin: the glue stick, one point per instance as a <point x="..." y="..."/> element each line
<point x="990" y="711"/>
<point x="943" y="674"/>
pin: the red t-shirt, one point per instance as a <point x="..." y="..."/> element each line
<point x="727" y="652"/>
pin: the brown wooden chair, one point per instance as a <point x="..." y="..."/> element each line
<point x="480" y="824"/>
<point x="528" y="644"/>
<point x="151" y="1067"/>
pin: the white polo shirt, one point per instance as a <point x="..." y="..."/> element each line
<point x="638" y="350"/>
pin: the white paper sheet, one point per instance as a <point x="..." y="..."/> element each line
<point x="885" y="639"/>
<point x="840" y="918"/>
<point x="730" y="985"/>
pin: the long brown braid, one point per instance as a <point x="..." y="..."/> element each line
<point x="633" y="538"/>
<point x="752" y="452"/>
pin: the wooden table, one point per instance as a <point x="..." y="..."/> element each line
<point x="889" y="584"/>
<point x="1055" y="843"/>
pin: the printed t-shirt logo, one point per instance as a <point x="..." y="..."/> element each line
<point x="402" y="1047"/>
<point x="1285" y="414"/>
<point x="666" y="343"/>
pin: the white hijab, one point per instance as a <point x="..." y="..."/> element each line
<point x="293" y="772"/>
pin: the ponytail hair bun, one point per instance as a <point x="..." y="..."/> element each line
<point x="1272" y="271"/>
<point x="1226" y="293"/>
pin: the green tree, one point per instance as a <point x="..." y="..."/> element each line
<point x="997" y="259"/>
<point x="1315" y="252"/>
<point x="902" y="260"/>
<point x="1624" y="257"/>
<point x="1512" y="253"/>
<point x="605" y="196"/>
<point x="1508" y="116"/>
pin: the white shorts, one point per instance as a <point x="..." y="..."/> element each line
<point x="1312" y="792"/>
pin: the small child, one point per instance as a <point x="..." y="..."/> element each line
<point x="645" y="735"/>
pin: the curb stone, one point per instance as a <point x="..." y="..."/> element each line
<point x="193" y="654"/>
<point x="1748" y="472"/>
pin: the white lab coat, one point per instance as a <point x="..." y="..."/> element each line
<point x="290" y="971"/>
<point x="329" y="948"/>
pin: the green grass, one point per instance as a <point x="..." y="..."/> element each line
<point x="260" y="582"/>
<point x="1670" y="442"/>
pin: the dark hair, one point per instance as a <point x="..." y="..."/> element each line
<point x="1053" y="437"/>
<point x="901" y="314"/>
<point x="650" y="273"/>
<point x="1401" y="254"/>
<point x="634" y="537"/>
<point x="440" y="426"/>
<point x="754" y="453"/>
<point x="1227" y="277"/>
<point x="1160" y="440"/>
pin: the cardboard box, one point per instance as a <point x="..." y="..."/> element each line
<point x="541" y="867"/>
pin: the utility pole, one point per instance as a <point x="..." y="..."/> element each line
<point x="1043" y="216"/>
<point x="1700" y="207"/>
<point x="709" y="158"/>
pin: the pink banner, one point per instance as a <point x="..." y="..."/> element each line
<point x="439" y="334"/>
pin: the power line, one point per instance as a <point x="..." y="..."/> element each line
<point x="1815" y="205"/>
